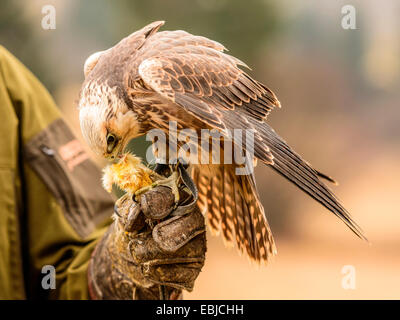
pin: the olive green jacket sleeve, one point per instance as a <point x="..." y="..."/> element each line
<point x="52" y="207"/>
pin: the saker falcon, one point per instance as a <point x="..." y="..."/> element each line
<point x="150" y="78"/>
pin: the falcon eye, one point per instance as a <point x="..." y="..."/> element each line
<point x="111" y="142"/>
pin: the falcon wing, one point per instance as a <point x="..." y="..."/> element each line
<point x="195" y="74"/>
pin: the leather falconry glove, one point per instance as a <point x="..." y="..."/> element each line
<point x="155" y="247"/>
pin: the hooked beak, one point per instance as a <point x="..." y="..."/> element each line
<point x="117" y="153"/>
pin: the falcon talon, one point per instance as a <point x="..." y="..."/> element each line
<point x="171" y="182"/>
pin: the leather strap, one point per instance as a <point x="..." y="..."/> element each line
<point x="189" y="183"/>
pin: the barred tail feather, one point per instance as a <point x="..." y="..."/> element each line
<point x="234" y="210"/>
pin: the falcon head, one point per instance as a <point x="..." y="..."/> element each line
<point x="108" y="132"/>
<point x="107" y="122"/>
<point x="107" y="117"/>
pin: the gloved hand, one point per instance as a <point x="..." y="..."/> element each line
<point x="149" y="252"/>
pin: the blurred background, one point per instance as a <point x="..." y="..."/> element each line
<point x="340" y="94"/>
